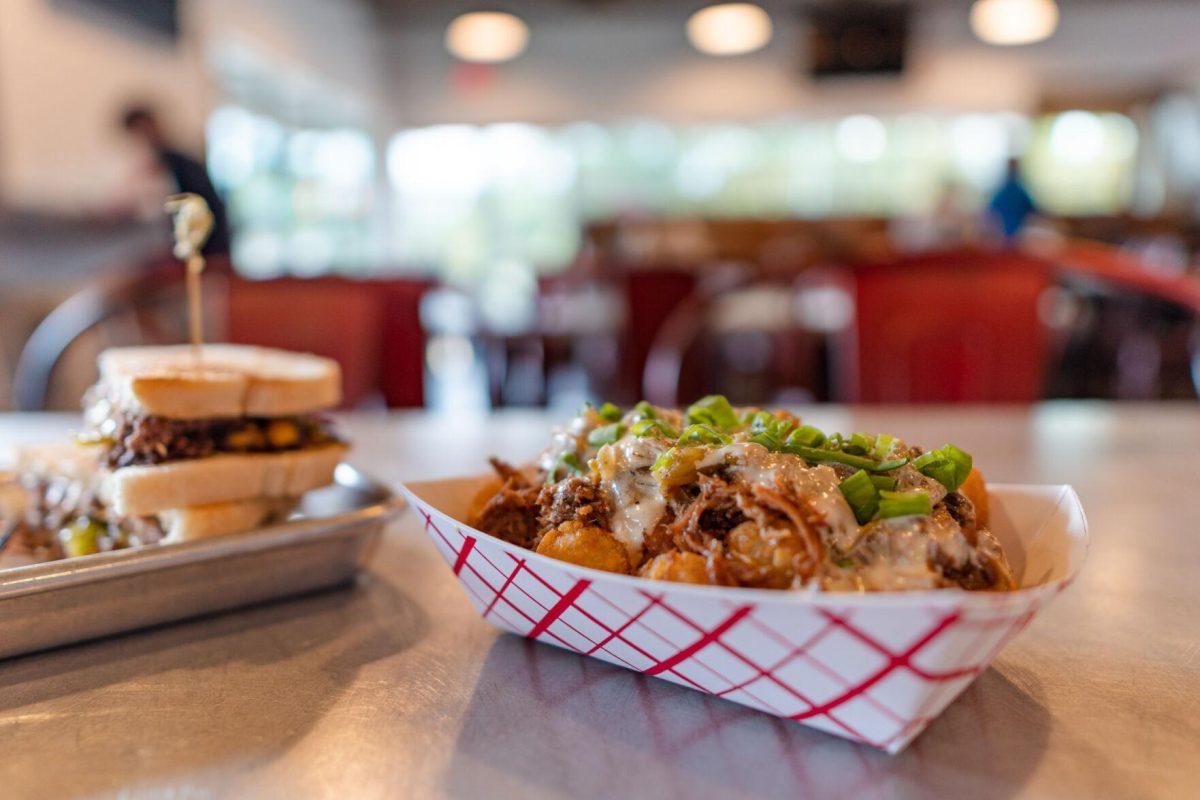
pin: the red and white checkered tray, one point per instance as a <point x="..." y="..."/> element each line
<point x="876" y="668"/>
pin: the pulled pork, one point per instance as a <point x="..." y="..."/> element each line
<point x="143" y="439"/>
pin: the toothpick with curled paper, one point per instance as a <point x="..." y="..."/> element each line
<point x="193" y="224"/>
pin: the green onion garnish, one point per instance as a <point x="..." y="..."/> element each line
<point x="606" y="434"/>
<point x="806" y="436"/>
<point x="610" y="412"/>
<point x="861" y="496"/>
<point x="568" y="463"/>
<point x="903" y="504"/>
<point x="883" y="446"/>
<point x="820" y="455"/>
<point x="884" y="482"/>
<point x="653" y="427"/>
<point x="766" y="440"/>
<point x="665" y="460"/>
<point x="859" y="444"/>
<point x="644" y="410"/>
<point x="947" y="465"/>
<point x="702" y="434"/>
<point x="713" y="410"/>
<point x="962" y="464"/>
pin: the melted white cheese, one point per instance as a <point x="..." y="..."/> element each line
<point x="631" y="491"/>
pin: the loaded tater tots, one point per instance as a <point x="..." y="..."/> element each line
<point x="746" y="497"/>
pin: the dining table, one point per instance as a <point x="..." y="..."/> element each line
<point x="393" y="687"/>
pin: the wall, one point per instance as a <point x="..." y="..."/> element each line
<point x="65" y="73"/>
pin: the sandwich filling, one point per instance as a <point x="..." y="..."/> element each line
<point x="134" y="439"/>
<point x="65" y="518"/>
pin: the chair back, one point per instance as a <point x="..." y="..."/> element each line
<point x="951" y="327"/>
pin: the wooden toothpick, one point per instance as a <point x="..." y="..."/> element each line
<point x="193" y="224"/>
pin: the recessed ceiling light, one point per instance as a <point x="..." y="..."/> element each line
<point x="1011" y="22"/>
<point x="729" y="29"/>
<point x="487" y="37"/>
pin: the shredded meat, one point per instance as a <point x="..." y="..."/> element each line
<point x="573" y="499"/>
<point x="512" y="512"/>
<point x="704" y="523"/>
<point x="963" y="512"/>
<point x="143" y="439"/>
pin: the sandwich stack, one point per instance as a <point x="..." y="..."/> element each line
<point x="183" y="443"/>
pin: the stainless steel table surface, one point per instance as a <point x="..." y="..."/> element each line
<point x="395" y="688"/>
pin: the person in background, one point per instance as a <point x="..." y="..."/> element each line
<point x="1011" y="206"/>
<point x="189" y="174"/>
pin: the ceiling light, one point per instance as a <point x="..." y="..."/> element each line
<point x="487" y="37"/>
<point x="1009" y="22"/>
<point x="729" y="29"/>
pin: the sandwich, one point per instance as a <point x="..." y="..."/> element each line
<point x="181" y="443"/>
<point x="176" y="430"/>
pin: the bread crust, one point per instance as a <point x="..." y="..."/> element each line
<point x="228" y="380"/>
<point x="222" y="519"/>
<point x="141" y="490"/>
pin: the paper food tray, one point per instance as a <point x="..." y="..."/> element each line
<point x="872" y="667"/>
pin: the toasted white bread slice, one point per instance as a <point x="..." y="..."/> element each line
<point x="81" y="464"/>
<point x="221" y="519"/>
<point x="218" y="380"/>
<point x="137" y="491"/>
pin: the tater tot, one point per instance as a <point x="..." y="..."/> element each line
<point x="677" y="566"/>
<point x="771" y="553"/>
<point x="586" y="546"/>
<point x="975" y="490"/>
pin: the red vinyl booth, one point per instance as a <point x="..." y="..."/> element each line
<point x="371" y="328"/>
<point x="950" y="327"/>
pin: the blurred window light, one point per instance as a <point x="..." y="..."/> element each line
<point x="1077" y="136"/>
<point x="729" y="29"/>
<point x="1081" y="163"/>
<point x="861" y="138"/>
<point x="1014" y="22"/>
<point x="439" y="160"/>
<point x="487" y="37"/>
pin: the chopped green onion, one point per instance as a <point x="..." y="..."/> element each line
<point x="766" y="440"/>
<point x="644" y="410"/>
<point x="861" y="496"/>
<point x="610" y="412"/>
<point x="665" y="460"/>
<point x="567" y="463"/>
<point x="903" y="504"/>
<point x="713" y="410"/>
<point x="606" y="434"/>
<point x="925" y="459"/>
<point x="884" y="482"/>
<point x="947" y="465"/>
<point x="653" y="427"/>
<point x="962" y="465"/>
<point x="895" y="463"/>
<point x="860" y="444"/>
<point x="941" y="471"/>
<point x="702" y="434"/>
<point x="806" y="436"/>
<point x="845" y="563"/>
<point x="822" y="456"/>
<point x="768" y="430"/>
<point x="883" y="446"/>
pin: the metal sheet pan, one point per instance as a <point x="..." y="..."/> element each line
<point x="61" y="602"/>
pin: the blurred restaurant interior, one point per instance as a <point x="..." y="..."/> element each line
<point x="900" y="201"/>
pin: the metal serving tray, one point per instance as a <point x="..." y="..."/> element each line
<point x="332" y="536"/>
